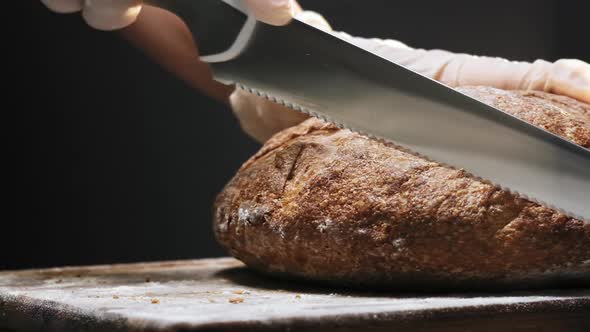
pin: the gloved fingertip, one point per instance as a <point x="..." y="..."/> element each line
<point x="63" y="6"/>
<point x="274" y="12"/>
<point x="246" y="111"/>
<point x="576" y="68"/>
<point x="111" y="18"/>
<point x="570" y="77"/>
<point x="314" y="19"/>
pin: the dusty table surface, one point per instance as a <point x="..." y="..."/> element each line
<point x="221" y="294"/>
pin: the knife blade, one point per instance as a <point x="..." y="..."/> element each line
<point x="317" y="73"/>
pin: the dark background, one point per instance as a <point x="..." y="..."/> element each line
<point x="116" y="161"/>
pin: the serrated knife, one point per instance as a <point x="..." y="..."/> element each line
<point x="315" y="72"/>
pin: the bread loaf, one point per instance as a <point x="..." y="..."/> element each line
<point x="324" y="204"/>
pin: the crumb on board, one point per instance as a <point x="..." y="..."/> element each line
<point x="211" y="300"/>
<point x="240" y="292"/>
<point x="155" y="301"/>
<point x="298" y="296"/>
<point x="148" y="279"/>
<point x="58" y="281"/>
<point x="115" y="297"/>
<point x="78" y="275"/>
<point x="236" y="300"/>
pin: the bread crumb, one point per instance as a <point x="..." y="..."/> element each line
<point x="211" y="300"/>
<point x="115" y="297"/>
<point x="297" y="296"/>
<point x="147" y="279"/>
<point x="58" y="281"/>
<point x="240" y="292"/>
<point x="155" y="301"/>
<point x="236" y="300"/>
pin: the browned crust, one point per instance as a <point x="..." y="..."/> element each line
<point x="331" y="205"/>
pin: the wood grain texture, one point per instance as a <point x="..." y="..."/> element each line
<point x="221" y="294"/>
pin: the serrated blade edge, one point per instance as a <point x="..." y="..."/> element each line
<point x="315" y="72"/>
<point x="389" y="142"/>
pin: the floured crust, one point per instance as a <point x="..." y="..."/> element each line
<point x="560" y="115"/>
<point x="325" y="204"/>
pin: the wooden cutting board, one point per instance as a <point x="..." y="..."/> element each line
<point x="222" y="295"/>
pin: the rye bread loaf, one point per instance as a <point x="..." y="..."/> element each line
<point x="325" y="204"/>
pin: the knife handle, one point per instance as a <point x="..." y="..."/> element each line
<point x="220" y="27"/>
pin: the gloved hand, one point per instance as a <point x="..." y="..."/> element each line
<point x="261" y="118"/>
<point x="569" y="77"/>
<point x="116" y="14"/>
<point x="170" y="43"/>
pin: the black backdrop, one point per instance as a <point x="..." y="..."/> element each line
<point x="115" y="160"/>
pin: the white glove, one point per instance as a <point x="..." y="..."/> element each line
<point x="261" y="118"/>
<point x="567" y="77"/>
<point x="117" y="14"/>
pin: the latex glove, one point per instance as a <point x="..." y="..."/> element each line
<point x="116" y="14"/>
<point x="261" y="118"/>
<point x="568" y="77"/>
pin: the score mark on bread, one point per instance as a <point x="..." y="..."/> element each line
<point x="325" y="204"/>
